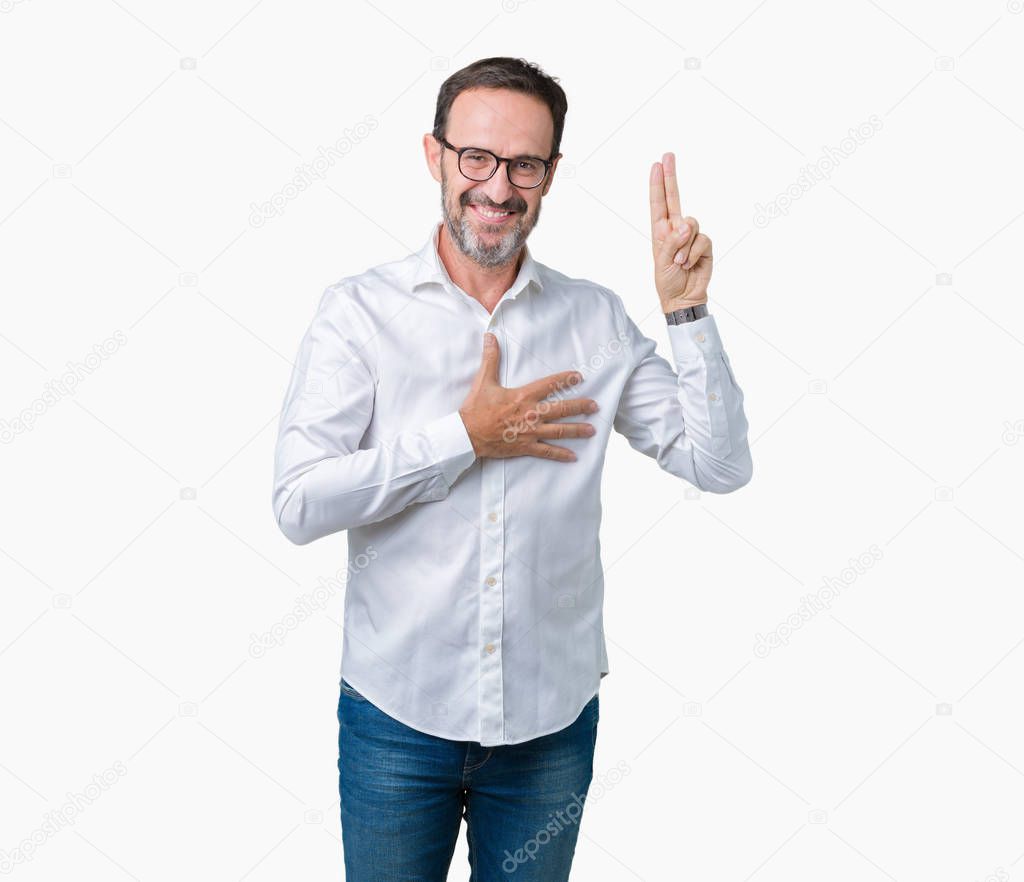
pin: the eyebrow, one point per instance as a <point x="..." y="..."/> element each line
<point x="515" y="156"/>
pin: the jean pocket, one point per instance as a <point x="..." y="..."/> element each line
<point x="349" y="690"/>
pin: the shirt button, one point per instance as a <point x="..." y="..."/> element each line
<point x="491" y="580"/>
<point x="700" y="338"/>
<point x="713" y="397"/>
<point x="492" y="516"/>
<point x="489" y="647"/>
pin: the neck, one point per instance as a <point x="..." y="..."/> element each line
<point x="484" y="284"/>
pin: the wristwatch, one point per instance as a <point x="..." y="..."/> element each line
<point x="690" y="314"/>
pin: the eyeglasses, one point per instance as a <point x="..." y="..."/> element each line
<point x="478" y="164"/>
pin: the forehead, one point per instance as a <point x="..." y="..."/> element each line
<point x="506" y="122"/>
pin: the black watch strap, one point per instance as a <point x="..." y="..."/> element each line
<point x="690" y="314"/>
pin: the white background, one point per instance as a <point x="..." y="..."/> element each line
<point x="875" y="328"/>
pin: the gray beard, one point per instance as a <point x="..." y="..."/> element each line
<point x="501" y="253"/>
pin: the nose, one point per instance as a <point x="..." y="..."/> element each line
<point x="499" y="189"/>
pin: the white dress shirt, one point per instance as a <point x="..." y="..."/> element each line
<point x="473" y="606"/>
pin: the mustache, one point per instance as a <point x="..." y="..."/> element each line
<point x="512" y="205"/>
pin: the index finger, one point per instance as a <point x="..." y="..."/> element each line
<point x="659" y="207"/>
<point x="545" y="386"/>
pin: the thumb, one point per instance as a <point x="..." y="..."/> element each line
<point x="489" y="361"/>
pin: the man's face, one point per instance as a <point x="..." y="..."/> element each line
<point x="508" y="124"/>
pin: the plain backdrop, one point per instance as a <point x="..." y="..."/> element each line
<point x="818" y="676"/>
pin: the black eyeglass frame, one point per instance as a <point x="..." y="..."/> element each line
<point x="458" y="151"/>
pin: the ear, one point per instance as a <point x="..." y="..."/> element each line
<point x="551" y="175"/>
<point x="433" y="151"/>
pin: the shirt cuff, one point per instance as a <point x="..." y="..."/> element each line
<point x="451" y="445"/>
<point x="695" y="340"/>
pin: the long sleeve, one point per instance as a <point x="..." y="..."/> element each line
<point x="690" y="419"/>
<point x="323" y="481"/>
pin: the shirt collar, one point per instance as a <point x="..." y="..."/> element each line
<point x="429" y="268"/>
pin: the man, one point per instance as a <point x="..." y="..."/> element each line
<point x="433" y="415"/>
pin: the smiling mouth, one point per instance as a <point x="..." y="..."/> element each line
<point x="491" y="216"/>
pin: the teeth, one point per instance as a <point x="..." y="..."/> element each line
<point x="487" y="213"/>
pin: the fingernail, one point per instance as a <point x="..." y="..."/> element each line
<point x="592" y="407"/>
<point x="679" y="258"/>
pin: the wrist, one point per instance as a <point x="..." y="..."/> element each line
<point x="680" y="314"/>
<point x="469" y="431"/>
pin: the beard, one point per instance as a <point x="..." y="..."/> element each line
<point x="488" y="249"/>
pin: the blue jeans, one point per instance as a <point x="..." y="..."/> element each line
<point x="404" y="794"/>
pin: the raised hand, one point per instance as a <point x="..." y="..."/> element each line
<point x="682" y="254"/>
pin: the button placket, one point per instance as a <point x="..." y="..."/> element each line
<point x="492" y="505"/>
